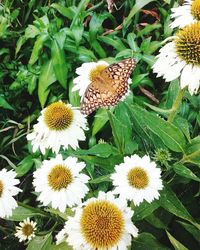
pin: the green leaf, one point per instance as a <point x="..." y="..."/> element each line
<point x="171" y="136"/>
<point x="155" y="221"/>
<point x="100" y="179"/>
<point x="145" y="240"/>
<point x="81" y="7"/>
<point x="170" y="202"/>
<point x="95" y="24"/>
<point x="98" y="48"/>
<point x="183" y="124"/>
<point x="145" y="209"/>
<point x="67" y="12"/>
<point x="191" y="229"/>
<point x="105" y="163"/>
<point x="59" y="64"/>
<point x="74" y="97"/>
<point x="20" y="42"/>
<point x="100" y="119"/>
<point x="176" y="244"/>
<point x="192" y="153"/>
<point x="46" y="78"/>
<point x="124" y="128"/>
<point x="181" y="170"/>
<point x="31" y="31"/>
<point x="40" y="242"/>
<point x="24" y="166"/>
<point x="139" y="4"/>
<point x="117" y="44"/>
<point x="77" y="32"/>
<point x="101" y="150"/>
<point x="132" y="43"/>
<point x="20" y="213"/>
<point x="37" y="48"/>
<point x="68" y="212"/>
<point x="4" y="104"/>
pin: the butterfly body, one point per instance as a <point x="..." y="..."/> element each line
<point x="107" y="87"/>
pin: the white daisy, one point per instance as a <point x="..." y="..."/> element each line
<point x="101" y="223"/>
<point x="137" y="179"/>
<point x="61" y="236"/>
<point x="86" y="73"/>
<point x="60" y="182"/>
<point x="26" y="230"/>
<point x="59" y="125"/>
<point x="181" y="58"/>
<point x="186" y="14"/>
<point x="7" y="191"/>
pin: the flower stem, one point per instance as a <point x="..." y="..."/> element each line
<point x="176" y="105"/>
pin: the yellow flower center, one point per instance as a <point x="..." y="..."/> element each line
<point x="59" y="177"/>
<point x="102" y="224"/>
<point x="187" y="43"/>
<point x="138" y="178"/>
<point x="58" y="116"/>
<point x="27" y="229"/>
<point x="195" y="9"/>
<point x="96" y="72"/>
<point x="1" y="188"/>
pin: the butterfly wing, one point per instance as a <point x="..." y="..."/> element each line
<point x="112" y="86"/>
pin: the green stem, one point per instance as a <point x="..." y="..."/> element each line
<point x="176" y="105"/>
<point x="34" y="210"/>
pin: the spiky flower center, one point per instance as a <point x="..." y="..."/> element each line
<point x="60" y="177"/>
<point x="1" y="188"/>
<point x="58" y="116"/>
<point x="27" y="229"/>
<point x="187" y="44"/>
<point x="102" y="224"/>
<point x="138" y="178"/>
<point x="195" y="9"/>
<point x="96" y="72"/>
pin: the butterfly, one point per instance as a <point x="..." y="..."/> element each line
<point x="109" y="87"/>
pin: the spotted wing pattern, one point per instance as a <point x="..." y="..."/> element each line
<point x="111" y="86"/>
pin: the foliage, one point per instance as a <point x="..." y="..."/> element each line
<point x="42" y="44"/>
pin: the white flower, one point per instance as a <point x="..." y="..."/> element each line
<point x="137" y="179"/>
<point x="7" y="191"/>
<point x="181" y="58"/>
<point x="85" y="73"/>
<point x="186" y="14"/>
<point x="61" y="236"/>
<point x="26" y="230"/>
<point x="101" y="223"/>
<point x="59" y="125"/>
<point x="60" y="182"/>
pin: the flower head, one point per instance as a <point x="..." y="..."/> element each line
<point x="137" y="179"/>
<point x="86" y="74"/>
<point x="26" y="230"/>
<point x="59" y="125"/>
<point x="7" y="191"/>
<point x="181" y="58"/>
<point x="101" y="223"/>
<point x="186" y="14"/>
<point x="60" y="182"/>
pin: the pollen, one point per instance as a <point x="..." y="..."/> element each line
<point x="102" y="224"/>
<point x="187" y="44"/>
<point x="195" y="9"/>
<point x="96" y="72"/>
<point x="58" y="116"/>
<point x="138" y="178"/>
<point x="1" y="188"/>
<point x="60" y="177"/>
<point x="27" y="229"/>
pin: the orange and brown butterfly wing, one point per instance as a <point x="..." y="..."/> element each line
<point x="110" y="88"/>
